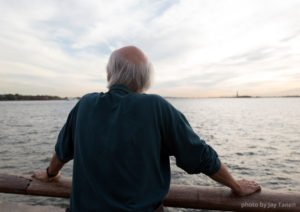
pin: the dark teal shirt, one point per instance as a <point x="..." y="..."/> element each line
<point x="121" y="142"/>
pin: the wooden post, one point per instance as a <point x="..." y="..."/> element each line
<point x="204" y="197"/>
<point x="182" y="196"/>
<point x="27" y="185"/>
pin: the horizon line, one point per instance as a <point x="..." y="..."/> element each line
<point x="170" y="97"/>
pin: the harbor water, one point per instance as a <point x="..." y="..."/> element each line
<point x="257" y="138"/>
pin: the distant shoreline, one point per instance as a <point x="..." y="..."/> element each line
<point x="19" y="97"/>
<point x="232" y="97"/>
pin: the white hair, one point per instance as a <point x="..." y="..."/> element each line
<point x="137" y="77"/>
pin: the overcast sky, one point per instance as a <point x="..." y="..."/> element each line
<point x="198" y="48"/>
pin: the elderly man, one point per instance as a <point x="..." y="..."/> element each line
<point x="121" y="141"/>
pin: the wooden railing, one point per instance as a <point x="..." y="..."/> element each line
<point x="182" y="196"/>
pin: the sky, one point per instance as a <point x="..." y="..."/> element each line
<point x="199" y="48"/>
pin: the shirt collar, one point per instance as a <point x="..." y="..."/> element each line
<point x="120" y="87"/>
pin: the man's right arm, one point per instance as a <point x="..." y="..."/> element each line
<point x="239" y="187"/>
<point x="193" y="154"/>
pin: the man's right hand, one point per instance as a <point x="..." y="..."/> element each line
<point x="239" y="187"/>
<point x="246" y="187"/>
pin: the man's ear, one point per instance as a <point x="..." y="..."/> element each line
<point x="108" y="77"/>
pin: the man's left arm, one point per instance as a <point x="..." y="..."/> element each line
<point x="64" y="150"/>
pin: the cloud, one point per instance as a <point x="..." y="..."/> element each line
<point x="198" y="48"/>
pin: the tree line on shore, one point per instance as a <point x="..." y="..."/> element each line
<point x="14" y="97"/>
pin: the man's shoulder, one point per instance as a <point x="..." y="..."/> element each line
<point x="157" y="100"/>
<point x="91" y="96"/>
<point x="89" y="99"/>
<point x="153" y="98"/>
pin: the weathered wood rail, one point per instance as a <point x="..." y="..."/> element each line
<point x="182" y="196"/>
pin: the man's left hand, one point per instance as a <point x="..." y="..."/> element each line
<point x="42" y="176"/>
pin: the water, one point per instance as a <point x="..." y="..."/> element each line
<point x="257" y="138"/>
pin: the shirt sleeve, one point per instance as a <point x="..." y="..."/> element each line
<point x="64" y="147"/>
<point x="191" y="152"/>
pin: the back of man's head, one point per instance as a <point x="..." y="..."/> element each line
<point x="129" y="66"/>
